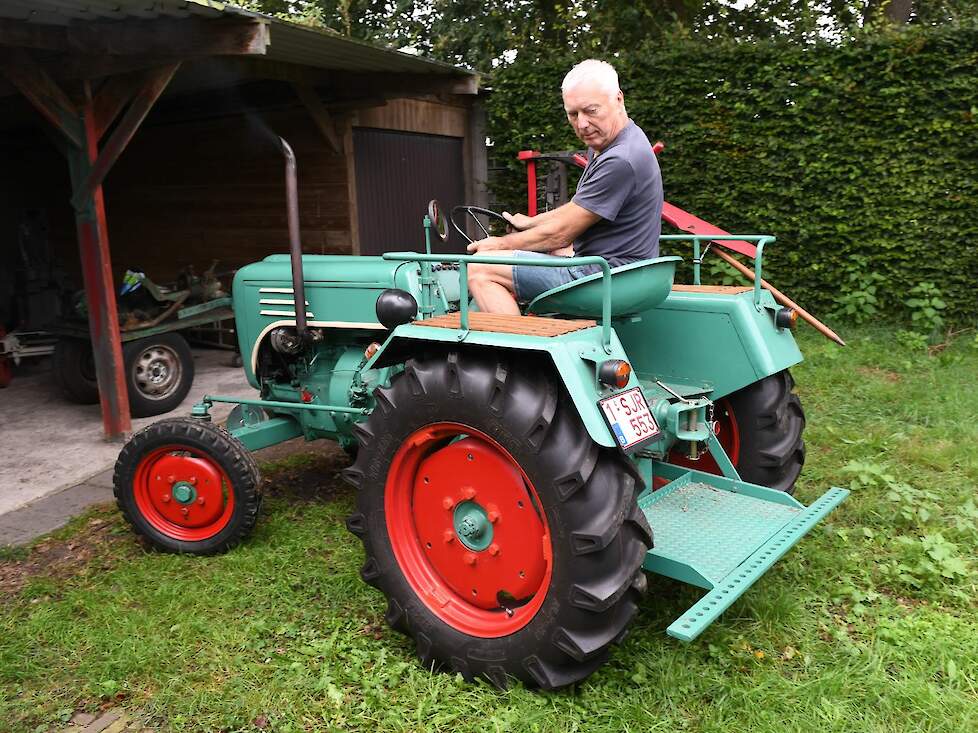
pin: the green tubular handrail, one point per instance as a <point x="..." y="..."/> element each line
<point x="759" y="241"/>
<point x="464" y="260"/>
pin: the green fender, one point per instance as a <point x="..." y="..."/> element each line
<point x="721" y="342"/>
<point x="575" y="356"/>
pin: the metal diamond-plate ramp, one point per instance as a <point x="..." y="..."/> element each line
<point x="712" y="530"/>
<point x="723" y="535"/>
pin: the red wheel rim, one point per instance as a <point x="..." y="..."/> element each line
<point x="728" y="435"/>
<point x="447" y="468"/>
<point x="183" y="493"/>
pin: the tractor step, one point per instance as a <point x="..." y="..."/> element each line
<point x="722" y="535"/>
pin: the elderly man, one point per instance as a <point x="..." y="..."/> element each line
<point x="615" y="212"/>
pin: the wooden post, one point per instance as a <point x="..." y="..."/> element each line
<point x="103" y="319"/>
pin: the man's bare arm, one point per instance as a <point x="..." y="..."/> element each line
<point x="523" y="222"/>
<point x="560" y="227"/>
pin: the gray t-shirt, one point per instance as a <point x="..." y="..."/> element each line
<point x="623" y="186"/>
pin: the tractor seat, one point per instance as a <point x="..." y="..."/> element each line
<point x="635" y="287"/>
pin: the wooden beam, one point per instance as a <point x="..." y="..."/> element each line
<point x="259" y="67"/>
<point x="351" y="185"/>
<point x="153" y="86"/>
<point x="22" y="34"/>
<point x="393" y="83"/>
<point x="46" y="96"/>
<point x="476" y="156"/>
<point x="165" y="37"/>
<point x="77" y="66"/>
<point x="353" y="105"/>
<point x="314" y="105"/>
<point x="112" y="97"/>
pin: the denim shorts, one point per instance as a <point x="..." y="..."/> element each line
<point x="530" y="281"/>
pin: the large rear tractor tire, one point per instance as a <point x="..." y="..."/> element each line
<point x="509" y="545"/>
<point x="760" y="427"/>
<point x="187" y="486"/>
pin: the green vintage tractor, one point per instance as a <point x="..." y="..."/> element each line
<point x="517" y="476"/>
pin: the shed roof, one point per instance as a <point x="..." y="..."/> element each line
<point x="286" y="42"/>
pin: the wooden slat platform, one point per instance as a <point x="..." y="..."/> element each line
<point x="716" y="289"/>
<point x="526" y="325"/>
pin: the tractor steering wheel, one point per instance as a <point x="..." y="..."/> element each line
<point x="474" y="212"/>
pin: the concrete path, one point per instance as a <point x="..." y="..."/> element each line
<point x="54" y="461"/>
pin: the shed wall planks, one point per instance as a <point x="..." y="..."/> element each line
<point x="185" y="193"/>
<point x="190" y="192"/>
<point x="417" y="115"/>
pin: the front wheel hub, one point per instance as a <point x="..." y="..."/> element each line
<point x="184" y="492"/>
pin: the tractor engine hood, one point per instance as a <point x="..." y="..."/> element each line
<point x="341" y="293"/>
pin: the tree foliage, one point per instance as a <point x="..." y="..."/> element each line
<point x="485" y="34"/>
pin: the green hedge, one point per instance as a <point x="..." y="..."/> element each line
<point x="861" y="159"/>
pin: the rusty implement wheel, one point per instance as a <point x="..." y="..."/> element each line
<point x="509" y="545"/>
<point x="188" y="486"/>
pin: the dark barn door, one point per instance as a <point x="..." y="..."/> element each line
<point x="398" y="173"/>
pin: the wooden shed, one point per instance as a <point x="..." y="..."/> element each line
<point x="145" y="133"/>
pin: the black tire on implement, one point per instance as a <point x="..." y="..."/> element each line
<point x="192" y="449"/>
<point x="159" y="373"/>
<point x="770" y="421"/>
<point x="74" y="370"/>
<point x="587" y="494"/>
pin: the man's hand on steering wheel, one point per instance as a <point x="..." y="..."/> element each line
<point x="519" y="221"/>
<point x="489" y="244"/>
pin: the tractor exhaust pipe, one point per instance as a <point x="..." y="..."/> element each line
<point x="295" y="245"/>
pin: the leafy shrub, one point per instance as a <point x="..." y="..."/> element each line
<point x="860" y="150"/>
<point x="911" y="341"/>
<point x="927" y="561"/>
<point x="927" y="307"/>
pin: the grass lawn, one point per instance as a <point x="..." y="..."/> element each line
<point x="869" y="624"/>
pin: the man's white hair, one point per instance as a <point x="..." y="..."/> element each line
<point x="600" y="72"/>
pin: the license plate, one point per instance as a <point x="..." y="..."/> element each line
<point x="629" y="418"/>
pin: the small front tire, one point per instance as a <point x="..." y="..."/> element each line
<point x="188" y="486"/>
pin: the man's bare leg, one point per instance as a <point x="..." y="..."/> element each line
<point x="492" y="287"/>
